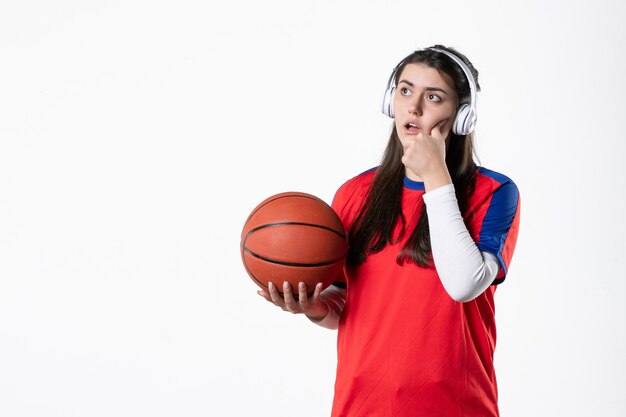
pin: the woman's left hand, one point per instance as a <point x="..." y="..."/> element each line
<point x="425" y="156"/>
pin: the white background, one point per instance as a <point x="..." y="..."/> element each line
<point x="136" y="136"/>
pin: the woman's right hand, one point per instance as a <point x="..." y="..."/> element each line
<point x="313" y="307"/>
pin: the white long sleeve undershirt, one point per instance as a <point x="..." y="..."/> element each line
<point x="464" y="270"/>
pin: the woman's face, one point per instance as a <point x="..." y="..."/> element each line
<point x="424" y="98"/>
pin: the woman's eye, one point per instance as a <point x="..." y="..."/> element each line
<point x="433" y="97"/>
<point x="405" y="91"/>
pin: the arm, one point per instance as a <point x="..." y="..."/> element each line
<point x="464" y="270"/>
<point x="334" y="298"/>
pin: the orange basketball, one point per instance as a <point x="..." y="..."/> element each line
<point x="293" y="237"/>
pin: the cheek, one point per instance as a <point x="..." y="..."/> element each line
<point x="397" y="124"/>
<point x="447" y="112"/>
<point x="397" y="103"/>
<point x="448" y="115"/>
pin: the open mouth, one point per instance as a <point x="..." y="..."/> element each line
<point x="411" y="128"/>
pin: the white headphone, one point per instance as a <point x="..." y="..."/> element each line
<point x="466" y="113"/>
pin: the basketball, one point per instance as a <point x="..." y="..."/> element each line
<point x="294" y="237"/>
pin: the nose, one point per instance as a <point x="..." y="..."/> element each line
<point x="415" y="106"/>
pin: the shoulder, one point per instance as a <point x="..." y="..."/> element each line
<point x="354" y="191"/>
<point x="489" y="182"/>
<point x="495" y="196"/>
<point x="497" y="179"/>
<point x="363" y="180"/>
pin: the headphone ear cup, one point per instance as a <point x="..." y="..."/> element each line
<point x="465" y="120"/>
<point x="388" y="101"/>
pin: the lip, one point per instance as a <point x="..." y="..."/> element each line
<point x="411" y="130"/>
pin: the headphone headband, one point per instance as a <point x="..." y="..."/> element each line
<point x="466" y="70"/>
<point x="466" y="113"/>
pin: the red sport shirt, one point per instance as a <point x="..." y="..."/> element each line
<point x="405" y="348"/>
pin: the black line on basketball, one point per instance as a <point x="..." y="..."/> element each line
<point x="299" y="264"/>
<point x="319" y="226"/>
<point x="261" y="284"/>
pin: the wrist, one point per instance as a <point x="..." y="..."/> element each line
<point x="436" y="179"/>
<point x="320" y="313"/>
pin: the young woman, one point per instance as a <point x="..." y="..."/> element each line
<point x="431" y="235"/>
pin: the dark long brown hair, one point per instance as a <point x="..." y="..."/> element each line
<point x="373" y="227"/>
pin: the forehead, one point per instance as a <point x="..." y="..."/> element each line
<point x="422" y="75"/>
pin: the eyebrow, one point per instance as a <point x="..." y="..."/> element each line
<point x="427" y="88"/>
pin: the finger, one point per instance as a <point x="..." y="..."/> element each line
<point x="410" y="151"/>
<point x="275" y="296"/>
<point x="410" y="140"/>
<point x="265" y="295"/>
<point x="302" y="295"/>
<point x="290" y="302"/>
<point x="436" y="130"/>
<point x="412" y="145"/>
<point x="318" y="291"/>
